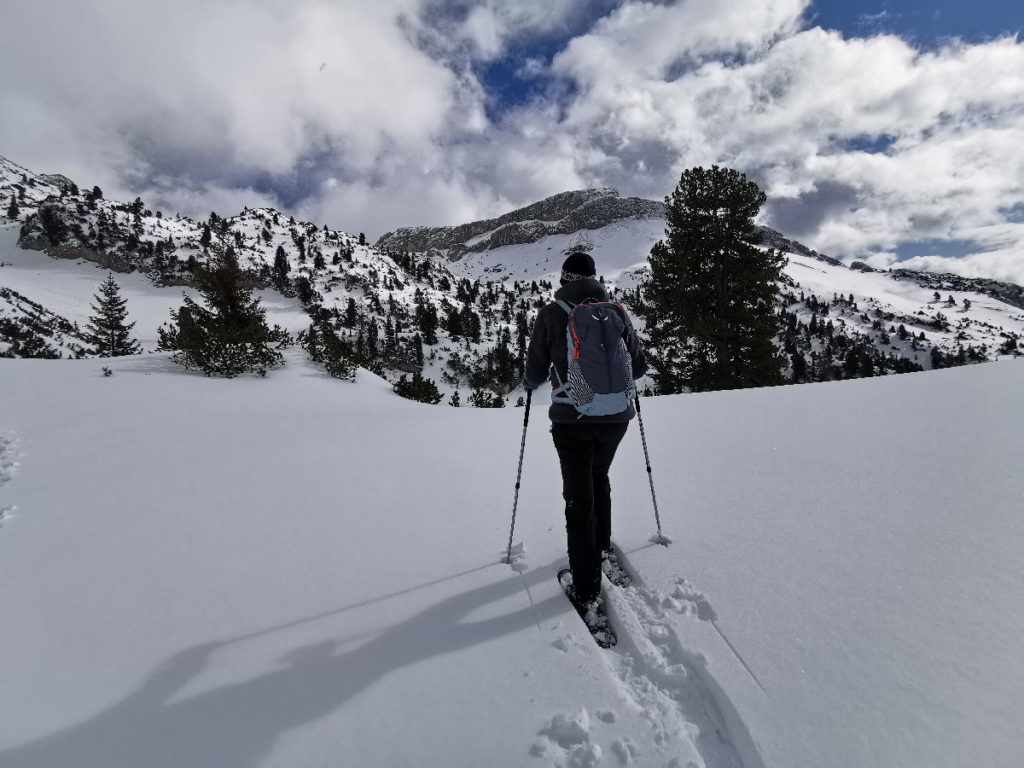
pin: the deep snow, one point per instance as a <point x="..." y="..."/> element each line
<point x="295" y="571"/>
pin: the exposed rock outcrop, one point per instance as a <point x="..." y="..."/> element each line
<point x="774" y="239"/>
<point x="1008" y="293"/>
<point x="564" y="213"/>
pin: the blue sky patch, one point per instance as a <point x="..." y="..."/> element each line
<point x="936" y="247"/>
<point x="925" y="24"/>
<point x="874" y="145"/>
<point x="1014" y="213"/>
<point x="512" y="82"/>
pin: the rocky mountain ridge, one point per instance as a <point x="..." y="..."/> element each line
<point x="564" y="213"/>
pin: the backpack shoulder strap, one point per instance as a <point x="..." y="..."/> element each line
<point x="560" y="394"/>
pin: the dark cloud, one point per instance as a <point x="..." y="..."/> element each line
<point x="802" y="216"/>
<point x="950" y="249"/>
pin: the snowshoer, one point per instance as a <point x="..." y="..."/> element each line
<point x="587" y="426"/>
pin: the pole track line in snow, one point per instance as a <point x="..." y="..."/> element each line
<point x="705" y="612"/>
<point x="738" y="657"/>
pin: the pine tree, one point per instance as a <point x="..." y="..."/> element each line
<point x="229" y="335"/>
<point x="428" y="322"/>
<point x="107" y="331"/>
<point x="281" y="269"/>
<point x="484" y="398"/>
<point x="351" y="314"/>
<point x="418" y="388"/>
<point x="324" y="347"/>
<point x="304" y="290"/>
<point x="709" y="302"/>
<point x="52" y="222"/>
<point x="12" y="209"/>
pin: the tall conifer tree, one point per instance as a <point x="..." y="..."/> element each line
<point x="107" y="330"/>
<point x="229" y="335"/>
<point x="709" y="303"/>
<point x="281" y="269"/>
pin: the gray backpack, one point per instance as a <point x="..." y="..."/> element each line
<point x="600" y="381"/>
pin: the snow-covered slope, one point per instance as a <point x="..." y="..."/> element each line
<point x="26" y="188"/>
<point x="68" y="289"/>
<point x="295" y="571"/>
<point x="983" y="316"/>
<point x="398" y="313"/>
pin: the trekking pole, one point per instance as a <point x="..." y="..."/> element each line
<point x="660" y="538"/>
<point x="519" y="475"/>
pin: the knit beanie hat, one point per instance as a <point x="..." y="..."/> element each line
<point x="577" y="266"/>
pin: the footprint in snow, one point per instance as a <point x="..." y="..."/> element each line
<point x="8" y="457"/>
<point x="625" y="750"/>
<point x="691" y="601"/>
<point x="566" y="741"/>
<point x="8" y="463"/>
<point x="566" y="643"/>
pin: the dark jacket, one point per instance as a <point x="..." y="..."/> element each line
<point x="548" y="350"/>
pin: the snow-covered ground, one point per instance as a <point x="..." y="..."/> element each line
<point x="296" y="571"/>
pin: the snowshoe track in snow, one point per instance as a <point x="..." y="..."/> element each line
<point x="8" y="464"/>
<point x="657" y="677"/>
<point x="663" y="680"/>
<point x="8" y="456"/>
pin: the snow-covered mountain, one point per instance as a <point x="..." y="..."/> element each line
<point x="456" y="303"/>
<point x="403" y="313"/>
<point x="900" y="318"/>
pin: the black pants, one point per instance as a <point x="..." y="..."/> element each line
<point x="585" y="452"/>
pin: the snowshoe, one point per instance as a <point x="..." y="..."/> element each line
<point x="612" y="567"/>
<point x="592" y="612"/>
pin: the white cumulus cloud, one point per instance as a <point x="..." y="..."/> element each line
<point x="374" y="115"/>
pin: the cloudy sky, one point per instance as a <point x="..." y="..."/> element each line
<point x="881" y="130"/>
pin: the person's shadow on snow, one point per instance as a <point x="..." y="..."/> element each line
<point x="237" y="725"/>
